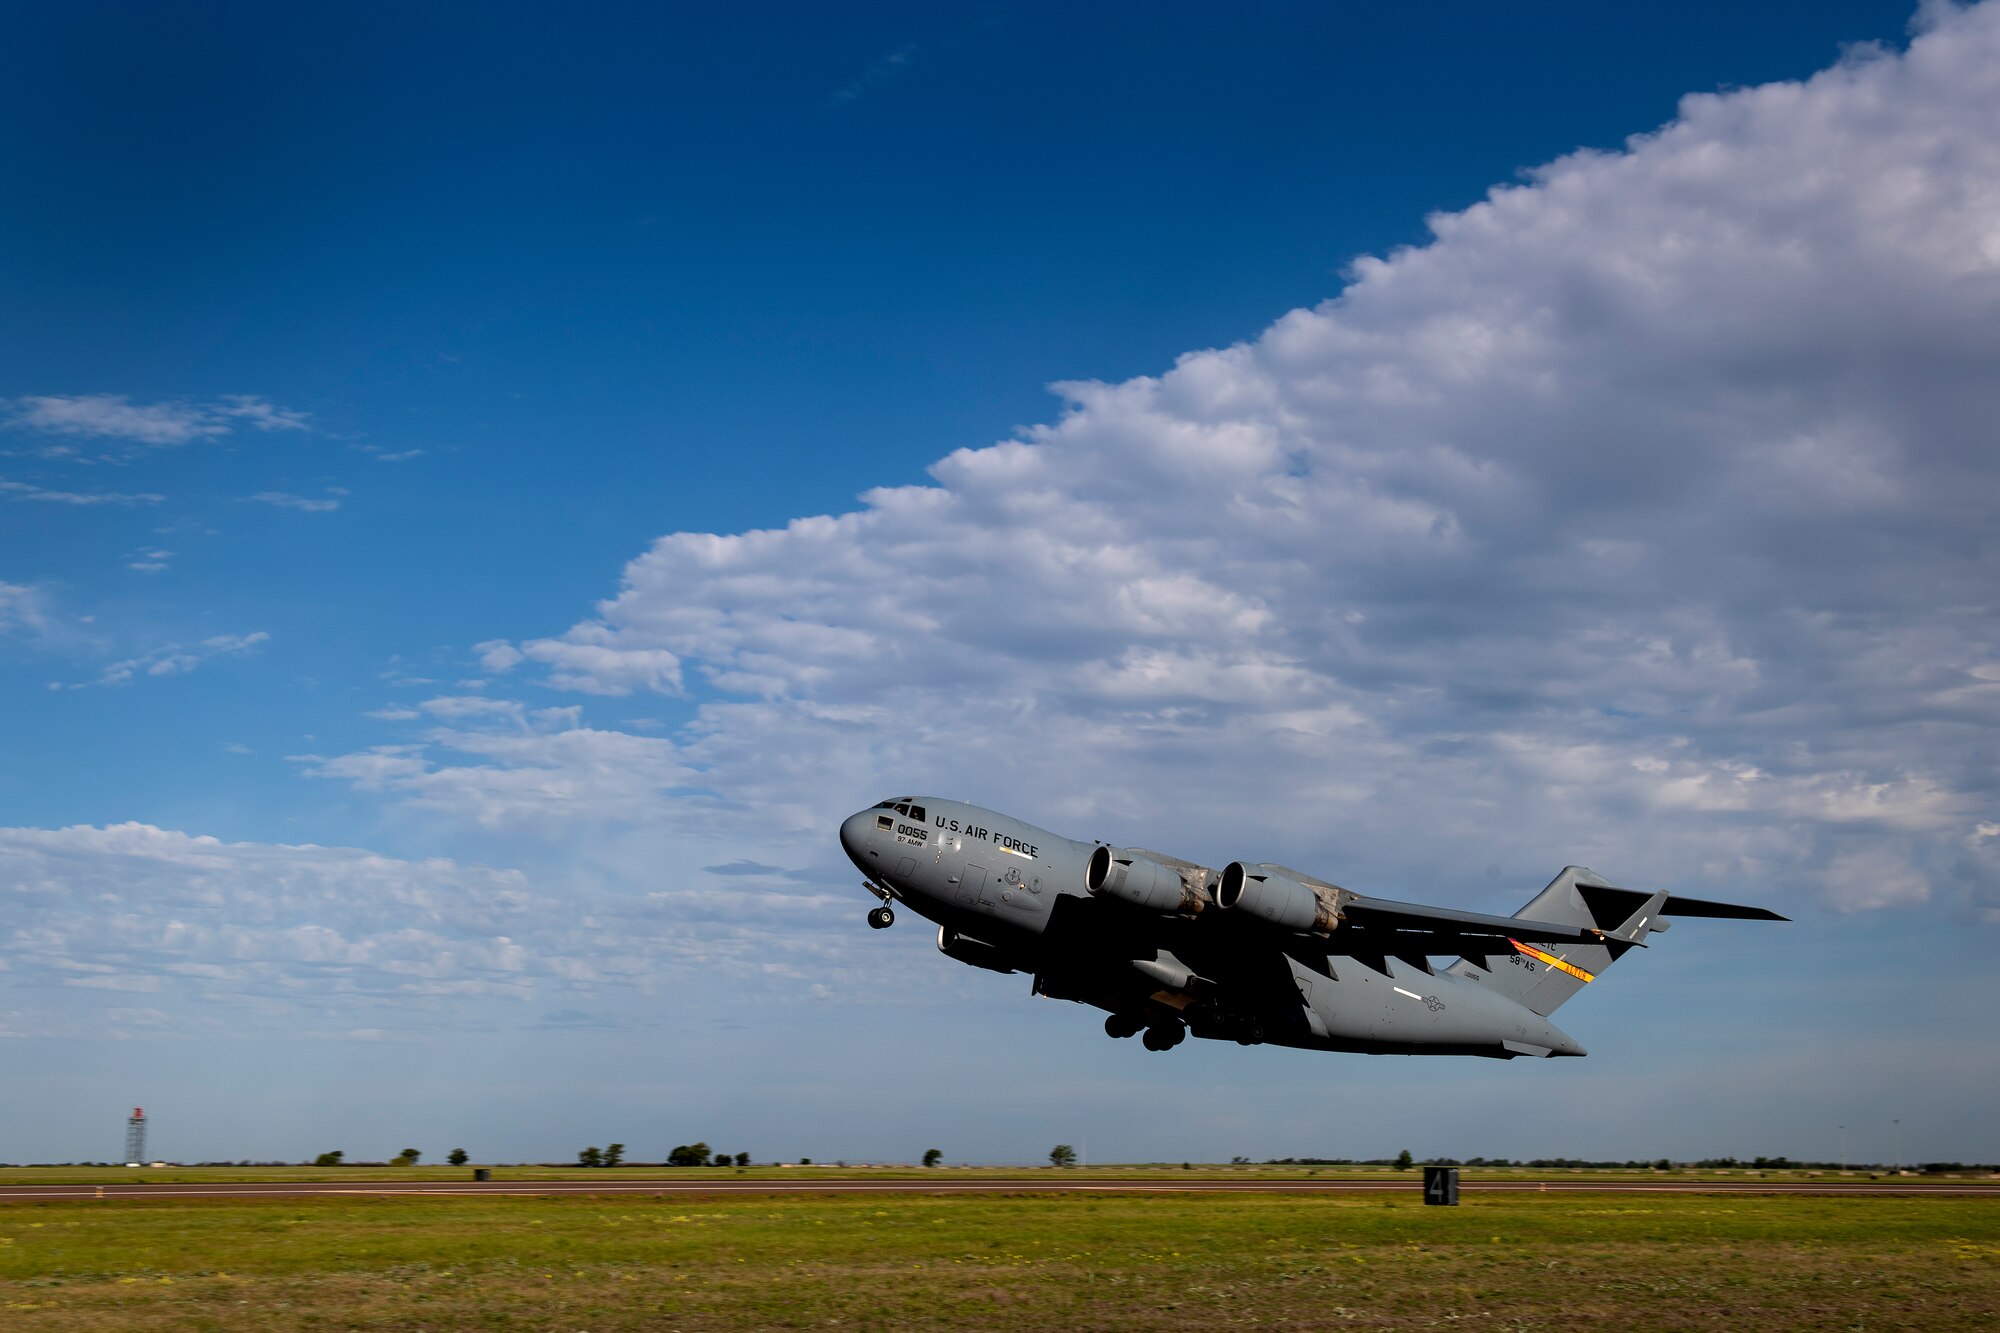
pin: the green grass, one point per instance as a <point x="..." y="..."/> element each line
<point x="1012" y="1262"/>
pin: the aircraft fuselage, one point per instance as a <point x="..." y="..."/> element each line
<point x="1012" y="897"/>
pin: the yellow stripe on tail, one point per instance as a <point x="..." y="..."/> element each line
<point x="1553" y="961"/>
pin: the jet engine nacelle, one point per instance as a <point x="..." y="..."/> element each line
<point x="1133" y="877"/>
<point x="965" y="949"/>
<point x="1269" y="895"/>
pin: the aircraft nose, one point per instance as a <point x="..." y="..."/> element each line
<point x="855" y="834"/>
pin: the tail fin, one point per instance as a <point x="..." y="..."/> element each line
<point x="1542" y="976"/>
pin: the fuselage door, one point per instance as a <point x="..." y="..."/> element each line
<point x="972" y="887"/>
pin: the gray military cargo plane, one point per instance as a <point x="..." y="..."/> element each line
<point x="1255" y="952"/>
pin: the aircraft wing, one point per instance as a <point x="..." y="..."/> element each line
<point x="1391" y="915"/>
<point x="1386" y="914"/>
<point x="1442" y="927"/>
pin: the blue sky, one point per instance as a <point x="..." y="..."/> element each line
<point x="483" y="491"/>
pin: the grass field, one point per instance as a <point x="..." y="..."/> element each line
<point x="1007" y="1262"/>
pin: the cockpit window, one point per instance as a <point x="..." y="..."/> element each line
<point x="917" y="813"/>
<point x="902" y="807"/>
<point x="885" y="805"/>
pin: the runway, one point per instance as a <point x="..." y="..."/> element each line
<point x="1026" y="1185"/>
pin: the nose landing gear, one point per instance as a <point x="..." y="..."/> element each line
<point x="881" y="918"/>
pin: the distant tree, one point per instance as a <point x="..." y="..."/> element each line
<point x="1404" y="1161"/>
<point x="932" y="1157"/>
<point x="1062" y="1155"/>
<point x="724" y="1159"/>
<point x="614" y="1155"/>
<point x="689" y="1154"/>
<point x="1663" y="1165"/>
<point x="458" y="1157"/>
<point x="329" y="1158"/>
<point x="407" y="1157"/>
<point x="805" y="1161"/>
<point x="591" y="1156"/>
<point x="743" y="1159"/>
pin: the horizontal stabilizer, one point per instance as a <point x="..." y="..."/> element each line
<point x="1679" y="906"/>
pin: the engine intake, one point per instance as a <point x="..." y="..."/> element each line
<point x="965" y="949"/>
<point x="1133" y="877"/>
<point x="1264" y="892"/>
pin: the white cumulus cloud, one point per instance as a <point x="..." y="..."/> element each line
<point x="516" y="767"/>
<point x="1643" y="516"/>
<point x="589" y="660"/>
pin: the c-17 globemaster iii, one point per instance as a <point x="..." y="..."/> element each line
<point x="1253" y="952"/>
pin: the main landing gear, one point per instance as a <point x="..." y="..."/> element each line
<point x="1159" y="1037"/>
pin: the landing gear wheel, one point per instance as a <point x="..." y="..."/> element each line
<point x="1165" y="1037"/>
<point x="1122" y="1025"/>
<point x="881" y="918"/>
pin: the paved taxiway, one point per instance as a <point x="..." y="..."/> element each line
<point x="1043" y="1185"/>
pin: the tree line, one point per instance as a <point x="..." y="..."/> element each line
<point x="1405" y="1161"/>
<point x="1063" y="1155"/>
<point x="407" y="1157"/>
<point x="613" y="1154"/>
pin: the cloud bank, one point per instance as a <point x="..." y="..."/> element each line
<point x="306" y="938"/>
<point x="1643" y="516"/>
<point x="147" y="911"/>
